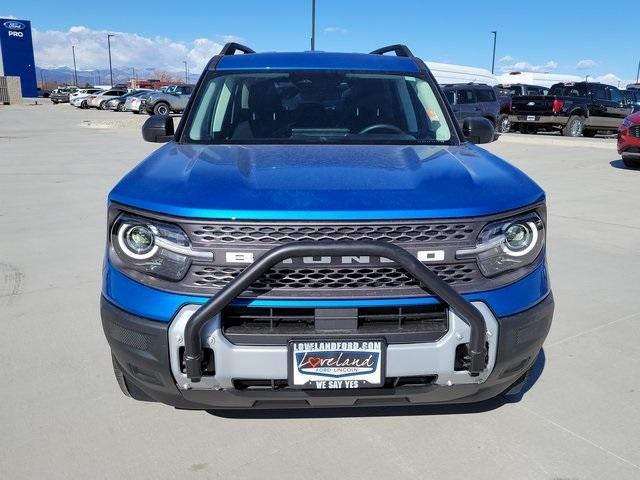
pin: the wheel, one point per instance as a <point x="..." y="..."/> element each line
<point x="83" y="104"/>
<point x="503" y="125"/>
<point x="161" y="108"/>
<point x="574" y="126"/>
<point x="120" y="107"/>
<point x="630" y="162"/>
<point x="103" y="105"/>
<point x="54" y="102"/>
<point x="589" y="133"/>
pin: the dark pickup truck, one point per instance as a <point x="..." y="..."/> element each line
<point x="572" y="108"/>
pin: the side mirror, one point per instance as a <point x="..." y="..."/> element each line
<point x="158" y="129"/>
<point x="478" y="130"/>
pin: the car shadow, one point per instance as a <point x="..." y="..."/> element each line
<point x="620" y="164"/>
<point x="404" y="411"/>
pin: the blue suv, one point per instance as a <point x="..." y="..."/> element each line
<point x="319" y="231"/>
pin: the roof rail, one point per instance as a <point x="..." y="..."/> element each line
<point x="232" y="47"/>
<point x="399" y="49"/>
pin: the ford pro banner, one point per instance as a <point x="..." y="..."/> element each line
<point x="16" y="54"/>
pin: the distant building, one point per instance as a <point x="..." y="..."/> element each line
<point x="537" y="78"/>
<point x="16" y="54"/>
<point x="148" y="83"/>
<point x="447" y="74"/>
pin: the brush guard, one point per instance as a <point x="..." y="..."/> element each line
<point x="429" y="282"/>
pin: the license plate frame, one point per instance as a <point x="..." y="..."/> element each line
<point x="334" y="375"/>
<point x="531" y="118"/>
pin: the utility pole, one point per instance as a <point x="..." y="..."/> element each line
<point x="638" y="74"/>
<point x="109" y="35"/>
<point x="313" y="25"/>
<point x="41" y="79"/>
<point x="495" y="40"/>
<point x="186" y="72"/>
<point x="133" y="78"/>
<point x="75" y="69"/>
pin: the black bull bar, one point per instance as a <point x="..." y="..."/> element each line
<point x="429" y="281"/>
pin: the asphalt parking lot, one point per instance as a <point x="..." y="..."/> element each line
<point x="64" y="416"/>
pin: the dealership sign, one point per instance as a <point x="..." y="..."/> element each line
<point x="15" y="28"/>
<point x="16" y="54"/>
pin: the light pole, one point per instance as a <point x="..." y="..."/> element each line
<point x="133" y="78"/>
<point x="495" y="40"/>
<point x="638" y="74"/>
<point x="186" y="72"/>
<point x="313" y="25"/>
<point x="75" y="70"/>
<point x="109" y="35"/>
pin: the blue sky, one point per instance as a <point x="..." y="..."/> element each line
<point x="576" y="37"/>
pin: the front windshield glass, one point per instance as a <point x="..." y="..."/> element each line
<point x="318" y="107"/>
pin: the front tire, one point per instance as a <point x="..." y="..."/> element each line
<point x="103" y="105"/>
<point x="161" y="108"/>
<point x="574" y="126"/>
<point x="503" y="125"/>
<point x="120" y="107"/>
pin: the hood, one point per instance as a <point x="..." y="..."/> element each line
<point x="325" y="182"/>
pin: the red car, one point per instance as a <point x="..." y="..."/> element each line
<point x="629" y="140"/>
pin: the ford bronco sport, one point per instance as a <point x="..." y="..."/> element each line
<point x="319" y="231"/>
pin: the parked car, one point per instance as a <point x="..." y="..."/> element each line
<point x="61" y="95"/>
<point x="320" y="232"/>
<point x="43" y="93"/>
<point x="633" y="97"/>
<point x="629" y="140"/>
<point x="135" y="104"/>
<point x="523" y="89"/>
<point x="574" y="109"/>
<point x="117" y="103"/>
<point x="473" y="100"/>
<point x="100" y="100"/>
<point x="76" y="98"/>
<point x="174" y="99"/>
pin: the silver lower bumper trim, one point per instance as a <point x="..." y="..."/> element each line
<point x="270" y="362"/>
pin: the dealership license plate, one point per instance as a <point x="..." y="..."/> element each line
<point x="531" y="118"/>
<point x="336" y="364"/>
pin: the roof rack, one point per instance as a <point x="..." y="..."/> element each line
<point x="232" y="47"/>
<point x="399" y="49"/>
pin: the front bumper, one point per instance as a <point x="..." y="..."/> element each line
<point x="142" y="349"/>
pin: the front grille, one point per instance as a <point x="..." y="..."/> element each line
<point x="276" y="326"/>
<point x="267" y="233"/>
<point x="353" y="278"/>
<point x="635" y="131"/>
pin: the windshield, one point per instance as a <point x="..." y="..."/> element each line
<point x="318" y="107"/>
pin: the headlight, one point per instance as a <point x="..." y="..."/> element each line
<point x="508" y="244"/>
<point x="151" y="247"/>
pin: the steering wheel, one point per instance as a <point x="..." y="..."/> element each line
<point x="381" y="126"/>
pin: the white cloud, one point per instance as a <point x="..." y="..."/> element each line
<point x="612" y="79"/>
<point x="528" y="67"/>
<point x="53" y="49"/>
<point x="507" y="59"/>
<point x="335" y="30"/>
<point x="12" y="17"/>
<point x="586" y="64"/>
